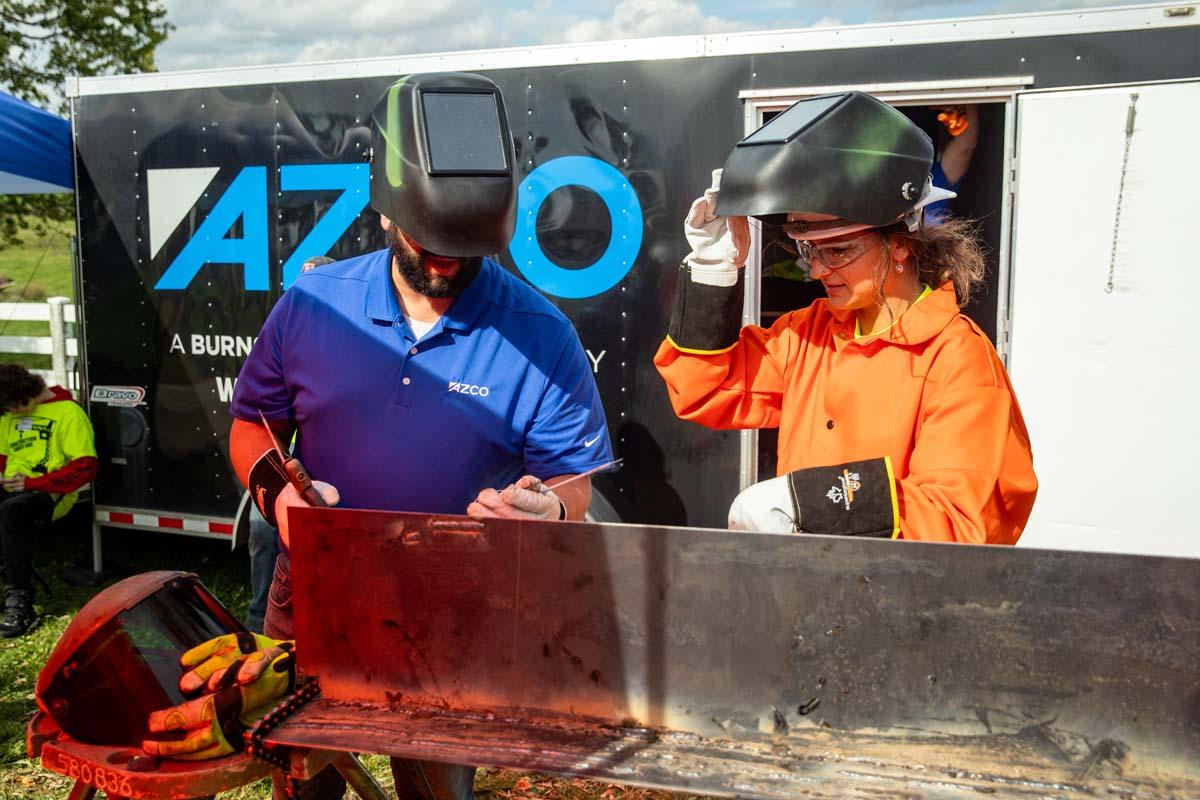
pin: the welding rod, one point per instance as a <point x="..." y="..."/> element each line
<point x="615" y="464"/>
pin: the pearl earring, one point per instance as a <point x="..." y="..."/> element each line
<point x="899" y="268"/>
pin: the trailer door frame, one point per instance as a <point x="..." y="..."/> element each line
<point x="756" y="103"/>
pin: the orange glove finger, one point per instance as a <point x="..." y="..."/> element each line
<point x="198" y="744"/>
<point x="183" y="717"/>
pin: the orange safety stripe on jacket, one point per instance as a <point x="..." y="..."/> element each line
<point x="930" y="392"/>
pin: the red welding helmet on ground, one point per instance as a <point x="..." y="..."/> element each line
<point x="118" y="660"/>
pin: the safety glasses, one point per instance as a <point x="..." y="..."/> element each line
<point x="833" y="255"/>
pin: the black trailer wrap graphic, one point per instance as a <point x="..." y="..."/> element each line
<point x="198" y="205"/>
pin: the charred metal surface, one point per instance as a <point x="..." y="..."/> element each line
<point x="755" y="665"/>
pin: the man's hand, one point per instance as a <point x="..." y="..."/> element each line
<point x="719" y="246"/>
<point x="528" y="498"/>
<point x="289" y="497"/>
<point x="14" y="484"/>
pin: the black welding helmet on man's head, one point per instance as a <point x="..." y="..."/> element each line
<point x="118" y="660"/>
<point x="847" y="157"/>
<point x="442" y="163"/>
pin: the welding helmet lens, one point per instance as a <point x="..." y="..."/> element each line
<point x="119" y="659"/>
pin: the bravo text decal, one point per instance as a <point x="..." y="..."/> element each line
<point x="118" y="395"/>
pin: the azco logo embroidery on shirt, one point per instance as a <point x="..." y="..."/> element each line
<point x="469" y="388"/>
<point x="843" y="493"/>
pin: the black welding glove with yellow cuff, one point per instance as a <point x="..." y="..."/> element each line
<point x="241" y="676"/>
<point x="854" y="499"/>
<point x="707" y="314"/>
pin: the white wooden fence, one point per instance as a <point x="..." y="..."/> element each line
<point x="60" y="344"/>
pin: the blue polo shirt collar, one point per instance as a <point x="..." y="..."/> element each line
<point x="467" y="307"/>
<point x="382" y="303"/>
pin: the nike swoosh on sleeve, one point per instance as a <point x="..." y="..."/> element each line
<point x="589" y="443"/>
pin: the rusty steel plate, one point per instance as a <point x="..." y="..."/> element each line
<point x="745" y="664"/>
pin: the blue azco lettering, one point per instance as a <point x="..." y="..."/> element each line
<point x="246" y="199"/>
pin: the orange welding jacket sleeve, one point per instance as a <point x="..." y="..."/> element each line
<point x="739" y="387"/>
<point x="968" y="476"/>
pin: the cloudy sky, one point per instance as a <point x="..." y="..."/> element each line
<point x="237" y="33"/>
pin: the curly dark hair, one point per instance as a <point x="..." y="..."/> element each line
<point x="18" y="386"/>
<point x="949" y="251"/>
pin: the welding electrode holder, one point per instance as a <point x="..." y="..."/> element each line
<point x="268" y="477"/>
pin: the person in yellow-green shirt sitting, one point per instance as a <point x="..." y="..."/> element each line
<point x="47" y="454"/>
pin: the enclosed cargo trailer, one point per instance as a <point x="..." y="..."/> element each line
<point x="201" y="193"/>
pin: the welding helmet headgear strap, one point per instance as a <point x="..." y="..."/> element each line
<point x="442" y="163"/>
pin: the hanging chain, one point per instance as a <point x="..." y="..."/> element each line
<point x="275" y="755"/>
<point x="1112" y="258"/>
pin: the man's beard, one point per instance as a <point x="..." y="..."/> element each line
<point x="423" y="281"/>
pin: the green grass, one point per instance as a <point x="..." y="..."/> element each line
<point x="39" y="267"/>
<point x="227" y="576"/>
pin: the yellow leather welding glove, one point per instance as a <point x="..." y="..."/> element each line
<point x="212" y="725"/>
<point x="208" y="663"/>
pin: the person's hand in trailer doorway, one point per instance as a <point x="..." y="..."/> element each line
<point x="896" y="417"/>
<point x="959" y="138"/>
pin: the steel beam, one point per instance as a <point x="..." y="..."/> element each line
<point x="745" y="664"/>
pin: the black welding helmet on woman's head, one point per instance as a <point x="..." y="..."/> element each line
<point x="118" y="660"/>
<point x="442" y="163"/>
<point x="845" y="157"/>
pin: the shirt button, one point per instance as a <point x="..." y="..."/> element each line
<point x="406" y="381"/>
<point x="841" y="334"/>
<point x="828" y="423"/>
<point x="412" y="352"/>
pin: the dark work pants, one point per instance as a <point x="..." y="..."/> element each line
<point x="263" y="544"/>
<point x="23" y="517"/>
<point x="415" y="780"/>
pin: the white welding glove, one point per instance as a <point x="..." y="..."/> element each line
<point x="531" y="499"/>
<point x="528" y="498"/>
<point x="765" y="507"/>
<point x="719" y="247"/>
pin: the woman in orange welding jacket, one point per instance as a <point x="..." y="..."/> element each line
<point x="896" y="417"/>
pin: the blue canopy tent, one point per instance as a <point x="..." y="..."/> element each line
<point x="35" y="149"/>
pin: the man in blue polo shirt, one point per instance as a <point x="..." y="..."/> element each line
<point x="417" y="380"/>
